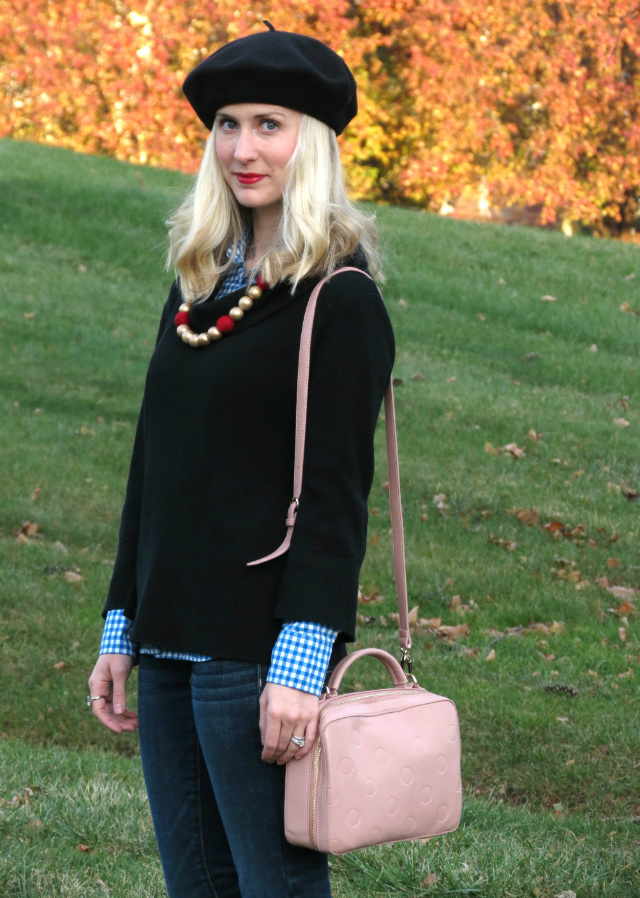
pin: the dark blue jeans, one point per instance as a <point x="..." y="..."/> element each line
<point x="218" y="809"/>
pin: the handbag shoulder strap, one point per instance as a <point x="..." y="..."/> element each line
<point x="395" y="502"/>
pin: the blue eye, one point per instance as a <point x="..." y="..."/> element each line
<point x="227" y="124"/>
<point x="269" y="125"/>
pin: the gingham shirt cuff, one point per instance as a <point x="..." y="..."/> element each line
<point x="115" y="636"/>
<point x="300" y="657"/>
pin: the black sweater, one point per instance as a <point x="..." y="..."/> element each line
<point x="212" y="472"/>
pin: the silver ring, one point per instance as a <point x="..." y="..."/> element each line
<point x="94" y="698"/>
<point x="298" y="740"/>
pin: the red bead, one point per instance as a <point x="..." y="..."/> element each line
<point x="225" y="324"/>
<point x="261" y="283"/>
<point x="182" y="318"/>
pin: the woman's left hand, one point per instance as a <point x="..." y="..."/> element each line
<point x="286" y="712"/>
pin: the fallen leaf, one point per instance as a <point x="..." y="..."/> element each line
<point x="630" y="277"/>
<point x="403" y="303"/>
<point x="439" y="501"/>
<point x="530" y="357"/>
<point x="568" y="893"/>
<point x="625" y="307"/>
<point x="492" y="450"/>
<point x="85" y="848"/>
<point x="534" y="436"/>
<point x="562" y="720"/>
<point x="629" y="493"/>
<point x="59" y="665"/>
<point x="453" y="632"/>
<point x="374" y="596"/>
<point x="491" y="656"/>
<point x="418" y="377"/>
<point x="429" y="881"/>
<point x="513" y="450"/>
<point x="413" y="616"/>
<point x="528" y="516"/>
<point x="622" y="633"/>
<point x="625" y="675"/>
<point x="593" y="347"/>
<point x="36" y="492"/>
<point x="613" y="562"/>
<point x="625" y="609"/>
<point x="621" y="422"/>
<point x="60" y="547"/>
<point x="72" y="577"/>
<point x="548" y="298"/>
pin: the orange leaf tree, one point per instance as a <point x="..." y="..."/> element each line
<point x="535" y="103"/>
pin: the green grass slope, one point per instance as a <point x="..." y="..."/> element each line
<point x="517" y="380"/>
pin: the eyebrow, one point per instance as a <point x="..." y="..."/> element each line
<point x="269" y="114"/>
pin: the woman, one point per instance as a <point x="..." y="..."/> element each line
<point x="233" y="654"/>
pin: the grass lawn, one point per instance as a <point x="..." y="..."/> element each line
<point x="517" y="380"/>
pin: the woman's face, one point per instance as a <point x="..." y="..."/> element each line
<point x="254" y="142"/>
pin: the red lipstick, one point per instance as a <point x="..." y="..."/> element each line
<point x="248" y="177"/>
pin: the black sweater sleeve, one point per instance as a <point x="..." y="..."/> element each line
<point x="352" y="356"/>
<point x="122" y="589"/>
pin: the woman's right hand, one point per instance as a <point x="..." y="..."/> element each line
<point x="108" y="680"/>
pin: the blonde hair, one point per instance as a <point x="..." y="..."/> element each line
<point x="318" y="228"/>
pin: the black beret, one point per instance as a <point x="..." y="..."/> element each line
<point x="277" y="67"/>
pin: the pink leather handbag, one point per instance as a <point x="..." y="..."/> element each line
<point x="386" y="763"/>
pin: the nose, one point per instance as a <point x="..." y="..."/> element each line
<point x="245" y="149"/>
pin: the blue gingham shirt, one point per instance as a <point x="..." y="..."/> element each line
<point x="301" y="654"/>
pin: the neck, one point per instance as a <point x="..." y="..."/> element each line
<point x="265" y="225"/>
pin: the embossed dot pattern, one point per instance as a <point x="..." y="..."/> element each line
<point x="353" y="817"/>
<point x="346" y="766"/>
<point x="406" y="779"/>
<point x="370" y="787"/>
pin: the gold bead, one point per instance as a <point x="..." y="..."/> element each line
<point x="254" y="292"/>
<point x="194" y="340"/>
<point x="184" y="307"/>
<point x="186" y="335"/>
<point x="246" y="303"/>
<point x="236" y="313"/>
<point x="214" y="334"/>
<point x="203" y="340"/>
<point x="182" y="328"/>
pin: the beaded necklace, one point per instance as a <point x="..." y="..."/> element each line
<point x="224" y="325"/>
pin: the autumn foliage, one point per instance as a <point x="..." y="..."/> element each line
<point x="524" y="102"/>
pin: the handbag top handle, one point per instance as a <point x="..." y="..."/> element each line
<point x="395" y="502"/>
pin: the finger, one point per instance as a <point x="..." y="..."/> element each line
<point x="271" y="741"/>
<point x="263" y="716"/>
<point x="309" y="739"/>
<point x="119" y="695"/>
<point x="118" y="723"/>
<point x="292" y="750"/>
